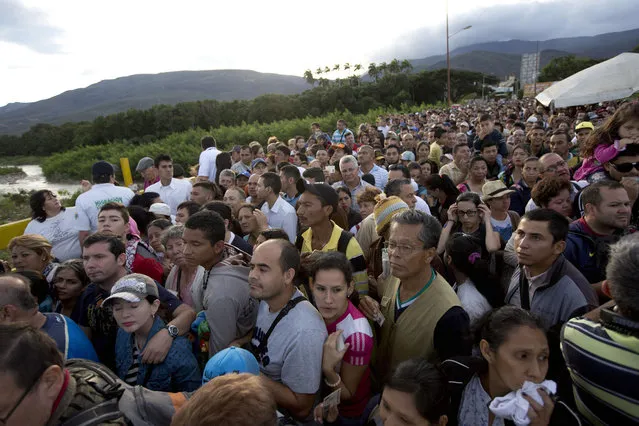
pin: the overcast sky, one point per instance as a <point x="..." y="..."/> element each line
<point x="50" y="46"/>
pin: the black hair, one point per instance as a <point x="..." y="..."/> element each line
<point x="402" y="168"/>
<point x="315" y="173"/>
<point x="394" y="187"/>
<point x="208" y="142"/>
<point x="439" y="132"/>
<point x="392" y="147"/>
<point x="368" y="178"/>
<point x="160" y="223"/>
<point x="272" y="180"/>
<point x="284" y="149"/>
<point x="495" y="326"/>
<point x="222" y="162"/>
<point x="116" y="245"/>
<point x="322" y="261"/>
<point x="466" y="255"/>
<point x="219" y="207"/>
<point x="274" y="234"/>
<point x="487" y="144"/>
<point x="469" y="196"/>
<point x="592" y="193"/>
<point x="144" y="200"/>
<point x="427" y="384"/>
<point x="141" y="217"/>
<point x="210" y="223"/>
<point x="178" y="171"/>
<point x="36" y="202"/>
<point x="290" y="171"/>
<point x="38" y="284"/>
<point x="191" y="206"/>
<point x="26" y="353"/>
<point x="485" y="117"/>
<point x="162" y="157"/>
<point x="557" y="223"/>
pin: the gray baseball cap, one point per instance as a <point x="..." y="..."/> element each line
<point x="144" y="164"/>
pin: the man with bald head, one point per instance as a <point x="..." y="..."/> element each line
<point x="366" y="157"/>
<point x="17" y="304"/>
<point x="252" y="190"/>
<point x="553" y="165"/>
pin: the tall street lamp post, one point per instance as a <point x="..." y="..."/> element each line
<point x="448" y="51"/>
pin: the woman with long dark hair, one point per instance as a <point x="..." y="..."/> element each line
<point x="444" y="194"/>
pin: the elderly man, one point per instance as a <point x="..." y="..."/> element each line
<point x="350" y="178"/>
<point x="553" y="165"/>
<point x="458" y="169"/>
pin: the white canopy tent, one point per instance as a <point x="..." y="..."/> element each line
<point x="616" y="78"/>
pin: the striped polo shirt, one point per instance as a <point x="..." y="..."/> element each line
<point x="604" y="367"/>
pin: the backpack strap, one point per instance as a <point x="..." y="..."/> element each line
<point x="96" y="415"/>
<point x="258" y="350"/>
<point x="344" y="239"/>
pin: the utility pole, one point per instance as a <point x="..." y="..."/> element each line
<point x="448" y="56"/>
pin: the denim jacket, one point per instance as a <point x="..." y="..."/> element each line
<point x="178" y="373"/>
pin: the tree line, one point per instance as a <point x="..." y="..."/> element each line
<point x="391" y="87"/>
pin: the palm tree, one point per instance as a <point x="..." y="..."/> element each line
<point x="308" y="76"/>
<point x="318" y="71"/>
<point x="327" y="70"/>
<point x="358" y="67"/>
<point x="373" y="71"/>
<point x="347" y="66"/>
<point x="383" y="67"/>
<point x="405" y="65"/>
<point x="393" y="67"/>
<point x="336" y="67"/>
<point x="323" y="82"/>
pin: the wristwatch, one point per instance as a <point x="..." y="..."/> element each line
<point x="173" y="330"/>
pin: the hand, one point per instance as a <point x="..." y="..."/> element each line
<point x="369" y="307"/>
<point x="262" y="220"/>
<point x="331" y="356"/>
<point x="538" y="415"/>
<point x="157" y="348"/>
<point x="628" y="141"/>
<point x="452" y="213"/>
<point x="85" y="184"/>
<point x="631" y="185"/>
<point x="484" y="212"/>
<point x="318" y="414"/>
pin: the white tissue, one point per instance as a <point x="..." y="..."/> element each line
<point x="514" y="406"/>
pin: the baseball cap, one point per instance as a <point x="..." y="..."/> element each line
<point x="230" y="360"/>
<point x="463" y="123"/>
<point x="585" y="125"/>
<point x="257" y="161"/>
<point x="532" y="119"/>
<point x="322" y="190"/>
<point x="102" y="168"/>
<point x="133" y="288"/>
<point x="144" y="163"/>
<point x="408" y="156"/>
<point x="237" y="148"/>
<point x="160" y="208"/>
<point x="245" y="173"/>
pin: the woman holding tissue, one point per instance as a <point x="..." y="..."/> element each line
<point x="506" y="385"/>
<point x="349" y="346"/>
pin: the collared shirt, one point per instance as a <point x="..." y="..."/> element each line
<point x="354" y="192"/>
<point x="453" y="172"/>
<point x="339" y="137"/>
<point x="207" y="163"/>
<point x="282" y="215"/>
<point x="380" y="175"/>
<point x="176" y="192"/>
<point x="535" y="282"/>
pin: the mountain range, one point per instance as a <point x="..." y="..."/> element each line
<point x="142" y="91"/>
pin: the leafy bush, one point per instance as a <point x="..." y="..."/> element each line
<point x="184" y="147"/>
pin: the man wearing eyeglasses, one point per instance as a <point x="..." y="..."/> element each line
<point x="553" y="165"/>
<point x="419" y="310"/>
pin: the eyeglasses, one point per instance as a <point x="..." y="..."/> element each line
<point x="401" y="250"/>
<point x="5" y="419"/>
<point x="469" y="213"/>
<point x="555" y="166"/>
<point x="625" y="167"/>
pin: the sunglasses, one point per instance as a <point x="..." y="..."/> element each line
<point x="625" y="167"/>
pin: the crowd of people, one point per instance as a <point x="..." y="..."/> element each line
<point x="474" y="266"/>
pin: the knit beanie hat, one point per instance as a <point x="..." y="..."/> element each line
<point x="385" y="209"/>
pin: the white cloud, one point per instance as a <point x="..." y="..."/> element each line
<point x="92" y="41"/>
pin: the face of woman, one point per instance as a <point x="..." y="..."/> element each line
<point x="397" y="408"/>
<point x="523" y="356"/>
<point x="27" y="259"/>
<point x="423" y="152"/>
<point x="468" y="214"/>
<point x="561" y="203"/>
<point x="51" y="204"/>
<point x="519" y="155"/>
<point x="67" y="284"/>
<point x="330" y="292"/>
<point x="426" y="170"/>
<point x="131" y="316"/>
<point x="366" y="208"/>
<point x="155" y="238"/>
<point x="247" y="220"/>
<point x="479" y="170"/>
<point x="345" y="201"/>
<point x="175" y="251"/>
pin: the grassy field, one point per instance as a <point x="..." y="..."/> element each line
<point x="10" y="170"/>
<point x="20" y="160"/>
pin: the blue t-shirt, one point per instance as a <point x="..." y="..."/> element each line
<point x="69" y="337"/>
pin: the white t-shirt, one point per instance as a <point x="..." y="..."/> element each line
<point x="178" y="191"/>
<point x="62" y="232"/>
<point x="473" y="302"/>
<point x="207" y="163"/>
<point x="421" y="205"/>
<point x="88" y="204"/>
